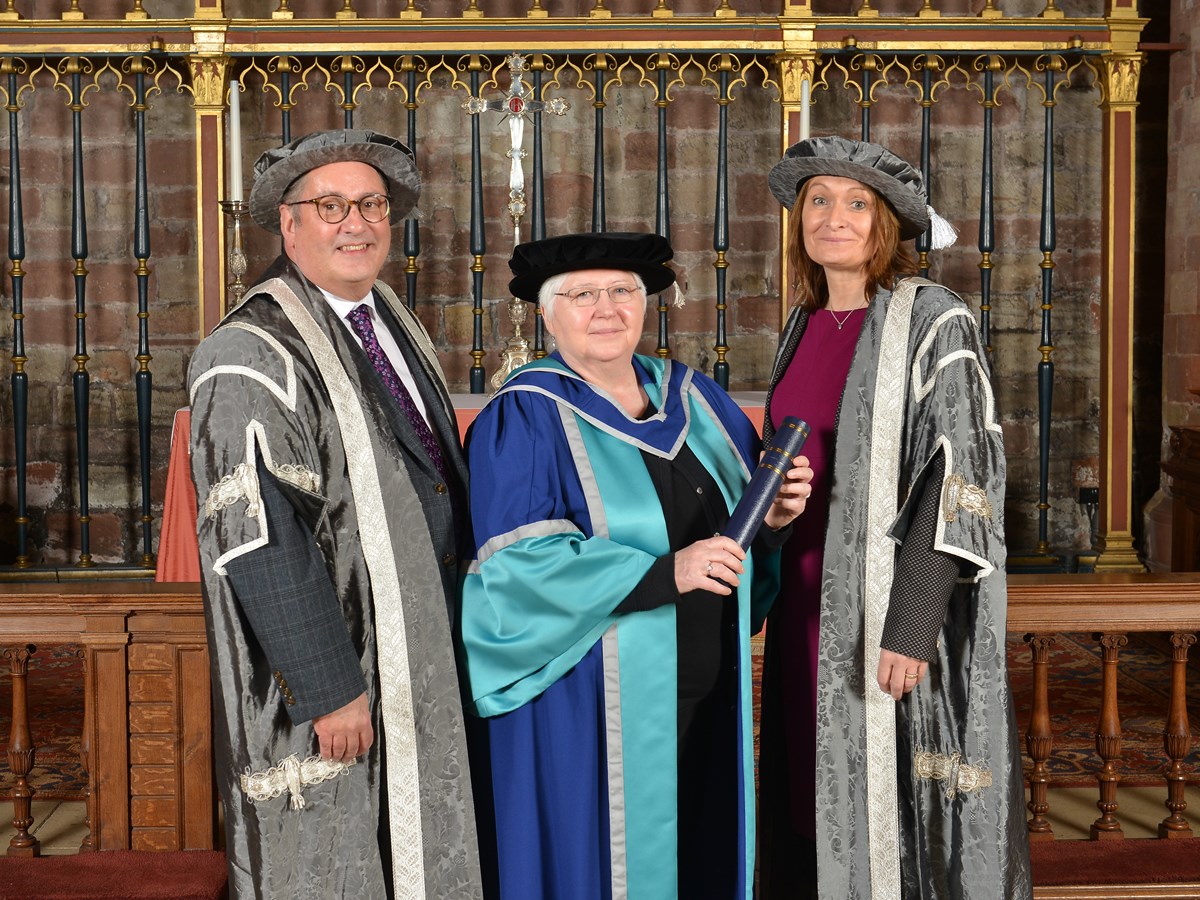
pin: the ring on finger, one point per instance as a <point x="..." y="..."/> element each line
<point x="910" y="675"/>
<point x="708" y="568"/>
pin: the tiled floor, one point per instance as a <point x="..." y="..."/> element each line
<point x="57" y="824"/>
<point x="1073" y="810"/>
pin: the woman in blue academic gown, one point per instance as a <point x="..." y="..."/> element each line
<point x="605" y="629"/>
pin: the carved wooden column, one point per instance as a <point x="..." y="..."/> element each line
<point x="1039" y="739"/>
<point x="21" y="753"/>
<point x="1108" y="741"/>
<point x="88" y="844"/>
<point x="1119" y="71"/>
<point x="797" y="71"/>
<point x="1177" y="739"/>
<point x="104" y="641"/>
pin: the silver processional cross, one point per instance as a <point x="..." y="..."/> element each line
<point x="517" y="105"/>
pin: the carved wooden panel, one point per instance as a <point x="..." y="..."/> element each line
<point x="147" y="731"/>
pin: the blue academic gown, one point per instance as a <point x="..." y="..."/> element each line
<point x="580" y="703"/>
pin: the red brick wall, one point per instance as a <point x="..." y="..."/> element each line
<point x="444" y="283"/>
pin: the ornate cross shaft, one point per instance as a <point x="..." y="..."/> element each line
<point x="517" y="105"/>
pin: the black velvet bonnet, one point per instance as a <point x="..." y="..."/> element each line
<point x="878" y="168"/>
<point x="644" y="253"/>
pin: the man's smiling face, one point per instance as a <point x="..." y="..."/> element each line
<point x="343" y="259"/>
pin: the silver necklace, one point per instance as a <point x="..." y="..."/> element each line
<point x="845" y="319"/>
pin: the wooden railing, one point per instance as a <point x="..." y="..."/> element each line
<point x="147" y="741"/>
<point x="1110" y="606"/>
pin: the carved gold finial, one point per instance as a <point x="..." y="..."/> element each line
<point x="1120" y="78"/>
<point x="208" y="81"/>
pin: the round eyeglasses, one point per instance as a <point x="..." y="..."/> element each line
<point x="333" y="208"/>
<point x="588" y="295"/>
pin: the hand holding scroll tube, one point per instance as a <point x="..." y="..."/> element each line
<point x="776" y="494"/>
<point x="778" y="488"/>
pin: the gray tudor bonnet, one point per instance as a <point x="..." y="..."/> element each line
<point x="279" y="167"/>
<point x="878" y="168"/>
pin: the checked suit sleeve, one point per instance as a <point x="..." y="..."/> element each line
<point x="289" y="601"/>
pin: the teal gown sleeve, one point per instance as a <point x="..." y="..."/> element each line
<point x="543" y="586"/>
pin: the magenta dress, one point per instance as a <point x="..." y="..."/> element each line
<point x="811" y="388"/>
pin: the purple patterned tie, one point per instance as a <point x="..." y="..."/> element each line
<point x="360" y="321"/>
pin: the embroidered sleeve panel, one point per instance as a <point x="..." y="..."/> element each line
<point x="250" y="398"/>
<point x="953" y="412"/>
<point x="959" y="776"/>
<point x="960" y="495"/>
<point x="239" y="485"/>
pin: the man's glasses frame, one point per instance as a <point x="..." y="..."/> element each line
<point x="334" y="208"/>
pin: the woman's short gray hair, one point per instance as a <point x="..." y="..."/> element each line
<point x="548" y="292"/>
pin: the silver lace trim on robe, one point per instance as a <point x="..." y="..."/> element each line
<point x="292" y="774"/>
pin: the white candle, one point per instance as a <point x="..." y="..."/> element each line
<point x="233" y="152"/>
<point x="805" y="126"/>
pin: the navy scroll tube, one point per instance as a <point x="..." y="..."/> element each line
<point x="750" y="511"/>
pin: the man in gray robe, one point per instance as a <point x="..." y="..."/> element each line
<point x="331" y="488"/>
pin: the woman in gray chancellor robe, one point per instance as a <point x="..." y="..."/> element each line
<point x="889" y="767"/>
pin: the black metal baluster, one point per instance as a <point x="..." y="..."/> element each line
<point x="285" y="100"/>
<point x="141" y="250"/>
<point x="412" y="233"/>
<point x="1046" y="366"/>
<point x="868" y="80"/>
<point x="987" y="218"/>
<point x="923" y="239"/>
<point x="80" y="379"/>
<point x="10" y="67"/>
<point x="348" y="103"/>
<point x="478" y="240"/>
<point x="599" y="217"/>
<point x="662" y="208"/>
<point x="537" y="194"/>
<point x="721" y="219"/>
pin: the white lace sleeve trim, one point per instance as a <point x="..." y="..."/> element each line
<point x="240" y="484"/>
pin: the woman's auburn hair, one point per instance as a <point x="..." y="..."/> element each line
<point x="888" y="260"/>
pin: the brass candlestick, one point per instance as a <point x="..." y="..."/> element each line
<point x="516" y="351"/>
<point x="235" y="211"/>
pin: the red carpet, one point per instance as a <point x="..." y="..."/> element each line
<point x="116" y="875"/>
<point x="1149" y="861"/>
<point x="200" y="874"/>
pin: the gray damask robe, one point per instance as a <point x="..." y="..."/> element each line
<point x="921" y="799"/>
<point x="279" y="384"/>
